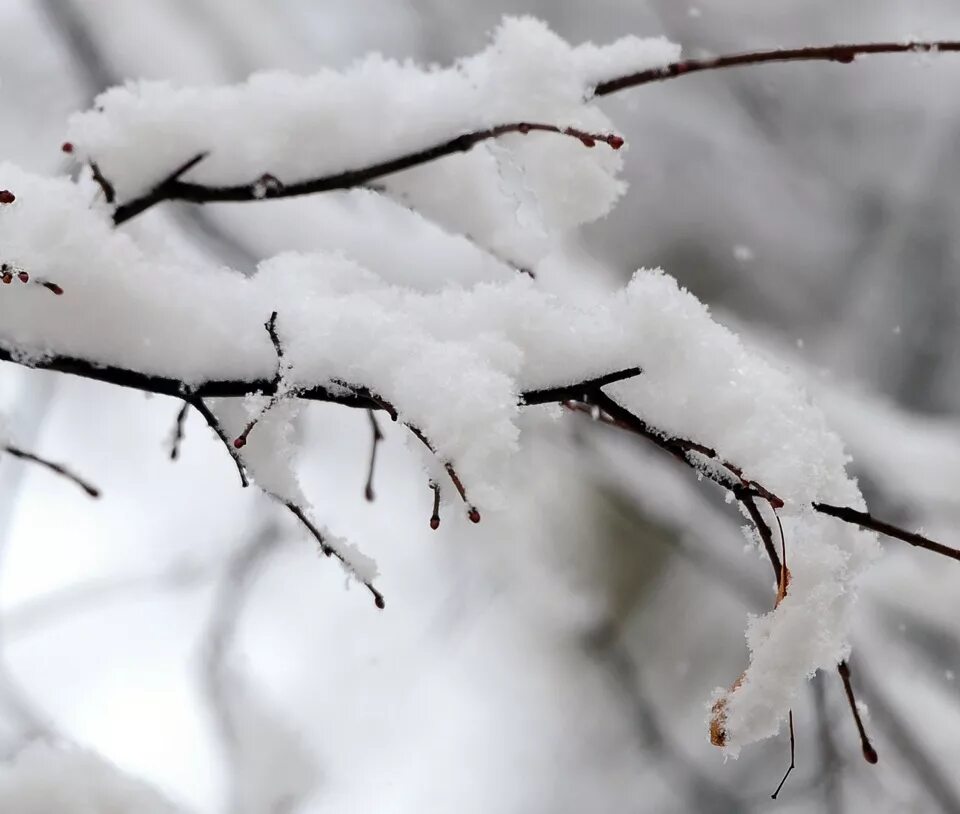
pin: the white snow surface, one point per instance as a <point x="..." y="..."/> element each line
<point x="296" y="128"/>
<point x="43" y="779"/>
<point x="452" y="354"/>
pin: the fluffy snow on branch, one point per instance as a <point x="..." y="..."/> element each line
<point x="453" y="362"/>
<point x="44" y="779"/>
<point x="296" y="128"/>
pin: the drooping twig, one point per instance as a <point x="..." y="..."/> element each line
<point x="172" y="188"/>
<point x="725" y="473"/>
<point x="472" y="511"/>
<point x="178" y="427"/>
<point x="763" y="529"/>
<point x="214" y="423"/>
<point x="328" y="550"/>
<point x="435" y="517"/>
<point x="793" y="758"/>
<point x="377" y="437"/>
<point x="56" y="468"/>
<point x="292" y="507"/>
<point x="869" y="753"/>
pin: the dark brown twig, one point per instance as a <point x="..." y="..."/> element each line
<point x="271" y="325"/>
<point x="172" y="188"/>
<point x="435" y="517"/>
<point x="867" y="521"/>
<point x="763" y="529"/>
<point x="178" y="427"/>
<point x="793" y="758"/>
<point x="109" y="192"/>
<point x="328" y="550"/>
<point x="377" y="437"/>
<point x="869" y="753"/>
<point x="840" y="53"/>
<point x="214" y="423"/>
<point x="56" y="468"/>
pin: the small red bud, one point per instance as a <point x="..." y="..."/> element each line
<point x="378" y="601"/>
<point x="6" y="277"/>
<point x="615" y="141"/>
<point x="7" y="197"/>
<point x="240" y="443"/>
<point x="588" y="141"/>
<point x="23" y="277"/>
<point x="54" y="288"/>
<point x="434" y="522"/>
<point x="67" y="147"/>
<point x="474" y="515"/>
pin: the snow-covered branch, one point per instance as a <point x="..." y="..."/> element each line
<point x="456" y="353"/>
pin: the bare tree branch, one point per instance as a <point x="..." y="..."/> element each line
<point x="172" y="188"/>
<point x="840" y="53"/>
<point x="56" y="468"/>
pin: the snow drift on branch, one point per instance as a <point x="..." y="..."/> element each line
<point x="510" y="197"/>
<point x="453" y="362"/>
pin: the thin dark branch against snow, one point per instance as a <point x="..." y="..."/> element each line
<point x="268" y="186"/>
<point x="57" y="469"/>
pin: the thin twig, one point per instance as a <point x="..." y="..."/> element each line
<point x="328" y="550"/>
<point x="868" y="521"/>
<point x="109" y="192"/>
<point x="214" y="423"/>
<point x="869" y="753"/>
<point x="841" y="53"/>
<point x="56" y="468"/>
<point x="793" y="758"/>
<point x="278" y="390"/>
<point x="435" y="517"/>
<point x="178" y="428"/>
<point x="377" y="437"/>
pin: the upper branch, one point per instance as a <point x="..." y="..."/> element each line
<point x="267" y="186"/>
<point x="841" y="53"/>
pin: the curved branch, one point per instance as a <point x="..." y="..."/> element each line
<point x="588" y="392"/>
<point x="267" y="186"/>
<point x="57" y="469"/>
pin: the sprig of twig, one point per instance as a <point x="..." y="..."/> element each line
<point x="57" y="469"/>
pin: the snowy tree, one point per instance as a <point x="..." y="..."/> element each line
<point x="442" y="294"/>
